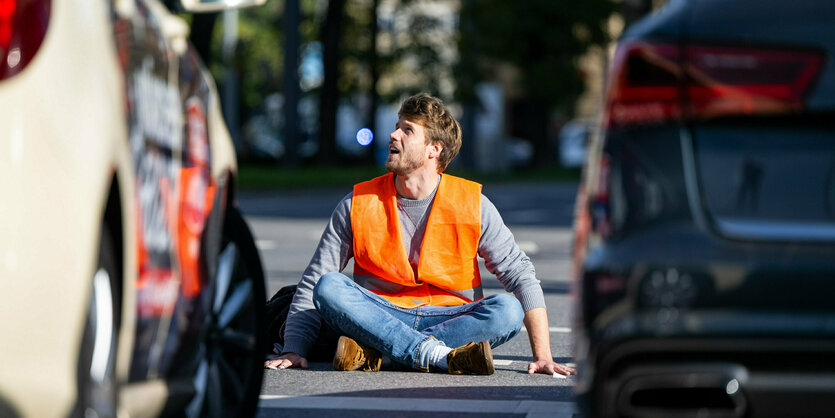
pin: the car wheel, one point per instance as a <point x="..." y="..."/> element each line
<point x="228" y="378"/>
<point x="97" y="360"/>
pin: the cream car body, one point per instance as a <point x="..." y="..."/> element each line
<point x="65" y="152"/>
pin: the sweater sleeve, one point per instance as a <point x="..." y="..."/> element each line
<point x="332" y="254"/>
<point x="506" y="260"/>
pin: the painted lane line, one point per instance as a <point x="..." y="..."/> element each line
<point x="529" y="247"/>
<point x="500" y="362"/>
<point x="265" y="244"/>
<point x="561" y="330"/>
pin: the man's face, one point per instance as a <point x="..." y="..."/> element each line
<point x="407" y="148"/>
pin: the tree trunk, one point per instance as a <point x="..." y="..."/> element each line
<point x="375" y="75"/>
<point x="291" y="82"/>
<point x="530" y="121"/>
<point x="329" y="99"/>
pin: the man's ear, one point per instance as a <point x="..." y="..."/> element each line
<point x="435" y="150"/>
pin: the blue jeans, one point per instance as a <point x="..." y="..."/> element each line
<point x="407" y="336"/>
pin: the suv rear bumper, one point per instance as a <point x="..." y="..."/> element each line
<point x="714" y="376"/>
<point x="751" y="334"/>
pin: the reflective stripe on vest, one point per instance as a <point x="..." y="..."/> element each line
<point x="447" y="272"/>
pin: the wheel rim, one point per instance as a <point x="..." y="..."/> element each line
<point x="223" y="372"/>
<point x="99" y="385"/>
<point x="103" y="326"/>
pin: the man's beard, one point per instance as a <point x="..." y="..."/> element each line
<point x="408" y="163"/>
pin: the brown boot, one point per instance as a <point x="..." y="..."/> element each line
<point x="471" y="358"/>
<point x="350" y="355"/>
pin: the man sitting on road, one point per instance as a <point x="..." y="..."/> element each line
<point x="416" y="295"/>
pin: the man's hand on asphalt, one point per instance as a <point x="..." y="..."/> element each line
<point x="550" y="367"/>
<point x="286" y="360"/>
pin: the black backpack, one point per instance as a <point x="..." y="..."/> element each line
<point x="277" y="309"/>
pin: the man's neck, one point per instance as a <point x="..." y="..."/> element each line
<point x="417" y="185"/>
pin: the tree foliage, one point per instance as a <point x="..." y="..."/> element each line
<point x="541" y="40"/>
<point x="538" y="42"/>
<point x="259" y="53"/>
<point x="419" y="49"/>
<point x="415" y="49"/>
<point x="444" y="47"/>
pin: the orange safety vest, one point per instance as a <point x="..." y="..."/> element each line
<point x="447" y="272"/>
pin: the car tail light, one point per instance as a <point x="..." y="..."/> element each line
<point x="723" y="81"/>
<point x="645" y="84"/>
<point x="653" y="82"/>
<point x="23" y="25"/>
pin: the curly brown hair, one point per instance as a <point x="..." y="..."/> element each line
<point x="438" y="123"/>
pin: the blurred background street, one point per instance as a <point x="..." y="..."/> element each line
<point x="524" y="79"/>
<point x="311" y="90"/>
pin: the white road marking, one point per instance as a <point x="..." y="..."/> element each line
<point x="529" y="247"/>
<point x="265" y="244"/>
<point x="527" y="407"/>
<point x="562" y="330"/>
<point x="509" y="362"/>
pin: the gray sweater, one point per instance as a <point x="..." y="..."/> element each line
<point x="496" y="246"/>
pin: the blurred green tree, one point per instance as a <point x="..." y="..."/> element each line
<point x="386" y="49"/>
<point x="415" y="49"/>
<point x="540" y="42"/>
<point x="259" y="54"/>
<point x="338" y="27"/>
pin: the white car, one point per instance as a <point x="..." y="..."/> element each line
<point x="129" y="283"/>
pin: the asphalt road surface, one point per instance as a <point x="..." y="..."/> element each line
<point x="287" y="227"/>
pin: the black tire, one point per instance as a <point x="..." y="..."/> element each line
<point x="228" y="377"/>
<point x="97" y="386"/>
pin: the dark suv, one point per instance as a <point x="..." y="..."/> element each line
<point x="705" y="231"/>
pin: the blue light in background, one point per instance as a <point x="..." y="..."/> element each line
<point x="365" y="136"/>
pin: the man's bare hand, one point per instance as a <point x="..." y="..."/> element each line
<point x="550" y="367"/>
<point x="286" y="360"/>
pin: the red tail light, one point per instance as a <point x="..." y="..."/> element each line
<point x="732" y="80"/>
<point x="644" y="84"/>
<point x="23" y="25"/>
<point x="652" y="83"/>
